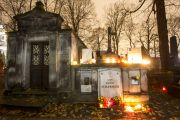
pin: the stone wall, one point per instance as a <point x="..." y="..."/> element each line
<point x="64" y="59"/>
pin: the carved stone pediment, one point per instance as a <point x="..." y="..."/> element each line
<point x="38" y="20"/>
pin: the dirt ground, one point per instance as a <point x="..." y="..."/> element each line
<point x="162" y="107"/>
<point x="2" y="84"/>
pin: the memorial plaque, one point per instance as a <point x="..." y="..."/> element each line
<point x="110" y="82"/>
<point x="134" y="78"/>
<point x="86" y="81"/>
<point x="86" y="88"/>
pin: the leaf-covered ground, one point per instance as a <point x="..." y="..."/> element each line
<point x="162" y="107"/>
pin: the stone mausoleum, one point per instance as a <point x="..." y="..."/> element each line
<point x="40" y="52"/>
<point x="43" y="54"/>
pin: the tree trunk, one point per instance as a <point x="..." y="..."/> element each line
<point x="148" y="37"/>
<point x="30" y="5"/>
<point x="155" y="48"/>
<point x="163" y="34"/>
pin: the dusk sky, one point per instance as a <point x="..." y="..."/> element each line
<point x="100" y="6"/>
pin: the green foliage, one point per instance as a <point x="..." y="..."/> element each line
<point x="117" y="100"/>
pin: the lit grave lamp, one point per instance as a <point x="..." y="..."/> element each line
<point x="164" y="89"/>
<point x="135" y="56"/>
<point x="93" y="61"/>
<point x="137" y="107"/>
<point x="110" y="58"/>
<point x="74" y="63"/>
<point x="134" y="104"/>
<point x="128" y="109"/>
<point x="146" y="61"/>
<point x="124" y="61"/>
<point x="81" y="61"/>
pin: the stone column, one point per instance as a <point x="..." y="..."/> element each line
<point x="58" y="42"/>
<point x="11" y="57"/>
<point x="11" y="46"/>
<point x="19" y="59"/>
<point x="52" y="61"/>
<point x="65" y="59"/>
<point x="26" y="63"/>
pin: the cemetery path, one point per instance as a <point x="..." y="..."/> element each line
<point x="162" y="107"/>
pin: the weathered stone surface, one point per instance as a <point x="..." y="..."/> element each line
<point x="65" y="58"/>
<point x="38" y="19"/>
<point x="41" y="27"/>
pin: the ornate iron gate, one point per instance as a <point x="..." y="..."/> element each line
<point x="39" y="65"/>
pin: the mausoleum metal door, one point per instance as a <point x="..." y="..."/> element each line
<point x="39" y="65"/>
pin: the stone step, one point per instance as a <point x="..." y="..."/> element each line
<point x="21" y="101"/>
<point x="30" y="92"/>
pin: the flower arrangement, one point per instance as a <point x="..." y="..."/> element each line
<point x="101" y="99"/>
<point x="105" y="102"/>
<point x="117" y="100"/>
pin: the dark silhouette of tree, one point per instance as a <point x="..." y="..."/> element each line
<point x="98" y="39"/>
<point x="115" y="18"/>
<point x="10" y="8"/>
<point x="173" y="18"/>
<point x="130" y="28"/>
<point x="79" y="15"/>
<point x="58" y="6"/>
<point x="163" y="34"/>
<point x="162" y="30"/>
<point x="148" y="36"/>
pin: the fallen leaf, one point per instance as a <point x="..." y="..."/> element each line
<point x="64" y="115"/>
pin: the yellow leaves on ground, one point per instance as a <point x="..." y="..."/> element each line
<point x="160" y="107"/>
<point x="175" y="118"/>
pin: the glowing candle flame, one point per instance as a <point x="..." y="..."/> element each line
<point x="129" y="109"/>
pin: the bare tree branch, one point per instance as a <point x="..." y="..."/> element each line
<point x="138" y="8"/>
<point x="115" y="18"/>
<point x="172" y="4"/>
